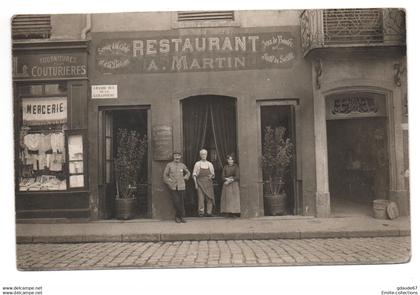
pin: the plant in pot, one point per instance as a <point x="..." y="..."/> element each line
<point x="131" y="150"/>
<point x="277" y="156"/>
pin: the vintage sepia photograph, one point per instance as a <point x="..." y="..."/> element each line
<point x="211" y="138"/>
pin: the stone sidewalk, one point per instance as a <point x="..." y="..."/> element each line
<point x="147" y="230"/>
<point x="223" y="253"/>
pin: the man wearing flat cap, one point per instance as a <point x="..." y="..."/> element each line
<point x="175" y="175"/>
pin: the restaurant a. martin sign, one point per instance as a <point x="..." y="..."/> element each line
<point x="195" y="53"/>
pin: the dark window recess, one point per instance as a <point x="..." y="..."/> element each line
<point x="206" y="15"/>
<point x="353" y="26"/>
<point x="31" y="26"/>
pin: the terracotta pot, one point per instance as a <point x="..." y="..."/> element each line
<point x="275" y="204"/>
<point x="125" y="208"/>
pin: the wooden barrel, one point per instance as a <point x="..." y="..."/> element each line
<point x="275" y="204"/>
<point x="125" y="208"/>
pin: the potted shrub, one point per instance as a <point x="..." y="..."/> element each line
<point x="131" y="150"/>
<point x="277" y="156"/>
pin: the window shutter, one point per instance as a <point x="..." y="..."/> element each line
<point x="206" y="16"/>
<point x="31" y="26"/>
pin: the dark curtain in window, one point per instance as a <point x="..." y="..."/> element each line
<point x="223" y="123"/>
<point x="195" y="121"/>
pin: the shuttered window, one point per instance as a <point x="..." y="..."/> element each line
<point x="31" y="26"/>
<point x="353" y="26"/>
<point x="186" y="16"/>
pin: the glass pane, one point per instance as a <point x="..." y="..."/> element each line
<point x="25" y="90"/>
<point x="108" y="124"/>
<point x="108" y="172"/>
<point x="42" y="183"/>
<point x="77" y="181"/>
<point x="51" y="89"/>
<point x="76" y="167"/>
<point x="108" y="149"/>
<point x="75" y="147"/>
<point x="36" y="89"/>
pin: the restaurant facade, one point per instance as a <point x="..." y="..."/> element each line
<point x="215" y="80"/>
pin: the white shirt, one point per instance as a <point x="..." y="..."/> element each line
<point x="204" y="165"/>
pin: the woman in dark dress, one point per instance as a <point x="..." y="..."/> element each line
<point x="230" y="202"/>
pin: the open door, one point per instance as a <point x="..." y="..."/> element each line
<point x="358" y="155"/>
<point x="132" y="119"/>
<point x="209" y="122"/>
<point x="358" y="164"/>
<point x="283" y="115"/>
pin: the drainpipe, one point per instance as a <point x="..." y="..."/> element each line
<point x="88" y="26"/>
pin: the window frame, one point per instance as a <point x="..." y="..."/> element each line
<point x="83" y="133"/>
<point x="18" y="123"/>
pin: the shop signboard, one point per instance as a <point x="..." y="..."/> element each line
<point x="44" y="110"/>
<point x="218" y="51"/>
<point x="355" y="105"/>
<point x="104" y="91"/>
<point x="44" y="66"/>
<point x="162" y="142"/>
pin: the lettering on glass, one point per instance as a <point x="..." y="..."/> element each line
<point x="193" y="53"/>
<point x="46" y="110"/>
<point x="354" y="105"/>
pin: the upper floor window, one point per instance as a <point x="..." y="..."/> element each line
<point x="33" y="26"/>
<point x="218" y="18"/>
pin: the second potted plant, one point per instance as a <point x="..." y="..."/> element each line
<point x="277" y="156"/>
<point x="131" y="150"/>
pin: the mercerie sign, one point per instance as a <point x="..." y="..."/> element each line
<point x="44" y="110"/>
<point x="192" y="53"/>
<point x="49" y="66"/>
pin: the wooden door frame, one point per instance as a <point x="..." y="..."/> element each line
<point x="181" y="118"/>
<point x="293" y="103"/>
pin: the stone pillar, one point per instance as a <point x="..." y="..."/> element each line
<point x="252" y="204"/>
<point x="398" y="191"/>
<point x="322" y="194"/>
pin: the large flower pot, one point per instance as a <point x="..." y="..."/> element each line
<point x="125" y="208"/>
<point x="275" y="204"/>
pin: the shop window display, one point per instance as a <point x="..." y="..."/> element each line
<point x="43" y="164"/>
<point x="42" y="159"/>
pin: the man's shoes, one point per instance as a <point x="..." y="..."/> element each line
<point x="200" y="214"/>
<point x="183" y="220"/>
<point x="178" y="220"/>
<point x="209" y="215"/>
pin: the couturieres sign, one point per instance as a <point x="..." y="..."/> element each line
<point x="194" y="53"/>
<point x="49" y="66"/>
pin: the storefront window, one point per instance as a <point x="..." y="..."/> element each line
<point x="42" y="164"/>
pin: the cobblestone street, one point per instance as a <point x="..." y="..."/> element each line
<point x="213" y="253"/>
